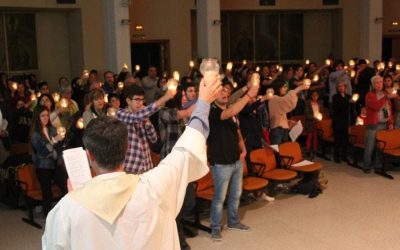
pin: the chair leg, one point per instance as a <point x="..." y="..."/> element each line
<point x="383" y="172"/>
<point x="30" y="220"/>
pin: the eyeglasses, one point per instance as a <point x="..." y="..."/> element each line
<point x="138" y="99"/>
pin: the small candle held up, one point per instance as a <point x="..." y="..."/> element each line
<point x="172" y="84"/>
<point x="191" y="63"/>
<point x="38" y="94"/>
<point x="307" y="82"/>
<point x="137" y="67"/>
<point x="381" y="66"/>
<point x="390" y="64"/>
<point x="56" y="96"/>
<point x="176" y="75"/>
<point x="367" y="61"/>
<point x="63" y="103"/>
<point x="120" y="85"/>
<point x="79" y="123"/>
<point x="14" y="85"/>
<point x="111" y="112"/>
<point x="86" y="73"/>
<point x="229" y="66"/>
<point x="280" y="68"/>
<point x="125" y="66"/>
<point x="397" y="67"/>
<point x="307" y="62"/>
<point x="258" y="69"/>
<point x="315" y="78"/>
<point x="352" y="73"/>
<point x="61" y="131"/>
<point x="318" y="116"/>
<point x="106" y="98"/>
<point x="355" y="97"/>
<point x="359" y="121"/>
<point x="244" y="62"/>
<point x="270" y="92"/>
<point x="328" y="62"/>
<point x="33" y="97"/>
<point x="235" y="85"/>
<point x="255" y="79"/>
<point x="352" y="63"/>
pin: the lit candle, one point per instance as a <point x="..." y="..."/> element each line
<point x="367" y="61"/>
<point x="355" y="97"/>
<point x="397" y="67"/>
<point x="307" y="62"/>
<point x="56" y="96"/>
<point x="86" y="73"/>
<point x="38" y="94"/>
<point x="229" y="66"/>
<point x="14" y="86"/>
<point x="101" y="84"/>
<point x="352" y="73"/>
<point x="191" y="63"/>
<point x="318" y="116"/>
<point x="33" y="97"/>
<point x="125" y="66"/>
<point x="63" y="103"/>
<point x="137" y="67"/>
<point x="255" y="79"/>
<point x="315" y="78"/>
<point x="106" y="98"/>
<point x="244" y="62"/>
<point x="61" y="131"/>
<point x="346" y="67"/>
<point x="328" y="62"/>
<point x="111" y="112"/>
<point x="121" y="85"/>
<point x="359" y="121"/>
<point x="352" y="63"/>
<point x="79" y="123"/>
<point x="176" y="75"/>
<point x="390" y="64"/>
<point x="235" y="85"/>
<point x="270" y="92"/>
<point x="172" y="84"/>
<point x="258" y="69"/>
<point x="307" y="82"/>
<point x="280" y="68"/>
<point x="394" y="91"/>
<point x="381" y="66"/>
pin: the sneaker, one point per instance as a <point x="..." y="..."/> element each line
<point x="239" y="227"/>
<point x="216" y="235"/>
<point x="265" y="197"/>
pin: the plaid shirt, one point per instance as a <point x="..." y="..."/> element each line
<point x="140" y="131"/>
<point x="170" y="129"/>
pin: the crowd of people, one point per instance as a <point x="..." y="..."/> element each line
<point x="253" y="109"/>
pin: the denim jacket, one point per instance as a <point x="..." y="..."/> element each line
<point x="43" y="150"/>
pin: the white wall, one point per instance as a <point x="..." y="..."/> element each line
<point x="52" y="46"/>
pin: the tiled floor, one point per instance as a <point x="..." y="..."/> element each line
<point x="357" y="211"/>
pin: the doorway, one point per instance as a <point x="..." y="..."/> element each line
<point x="150" y="53"/>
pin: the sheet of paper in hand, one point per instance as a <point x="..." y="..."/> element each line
<point x="77" y="165"/>
<point x="296" y="131"/>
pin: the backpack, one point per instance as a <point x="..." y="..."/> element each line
<point x="309" y="185"/>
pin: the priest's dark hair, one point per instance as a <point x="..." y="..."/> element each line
<point x="107" y="140"/>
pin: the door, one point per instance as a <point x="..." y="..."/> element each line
<point x="148" y="54"/>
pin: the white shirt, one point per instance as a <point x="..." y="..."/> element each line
<point x="148" y="220"/>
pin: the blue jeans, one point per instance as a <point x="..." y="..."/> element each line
<point x="225" y="176"/>
<point x="278" y="135"/>
<point x="370" y="150"/>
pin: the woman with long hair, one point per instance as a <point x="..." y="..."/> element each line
<point x="44" y="141"/>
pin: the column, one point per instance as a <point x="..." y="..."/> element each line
<point x="208" y="28"/>
<point x="371" y="21"/>
<point x="116" y="34"/>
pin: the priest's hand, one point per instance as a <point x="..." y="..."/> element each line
<point x="210" y="89"/>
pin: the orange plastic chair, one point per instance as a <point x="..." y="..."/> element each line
<point x="290" y="153"/>
<point x="388" y="142"/>
<point x="29" y="184"/>
<point x="356" y="141"/>
<point x="204" y="192"/>
<point x="325" y="135"/>
<point x="252" y="183"/>
<point x="264" y="165"/>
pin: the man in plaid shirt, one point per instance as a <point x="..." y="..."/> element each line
<point x="140" y="130"/>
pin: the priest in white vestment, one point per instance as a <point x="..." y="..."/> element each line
<point x="116" y="210"/>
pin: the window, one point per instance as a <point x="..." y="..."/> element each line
<point x="261" y="37"/>
<point x="17" y="42"/>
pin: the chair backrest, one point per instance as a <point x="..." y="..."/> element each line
<point x="263" y="156"/>
<point x="204" y="182"/>
<point x="291" y="149"/>
<point x="391" y="137"/>
<point x="325" y="126"/>
<point x="358" y="132"/>
<point x="26" y="175"/>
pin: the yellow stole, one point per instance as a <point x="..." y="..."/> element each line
<point x="106" y="196"/>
